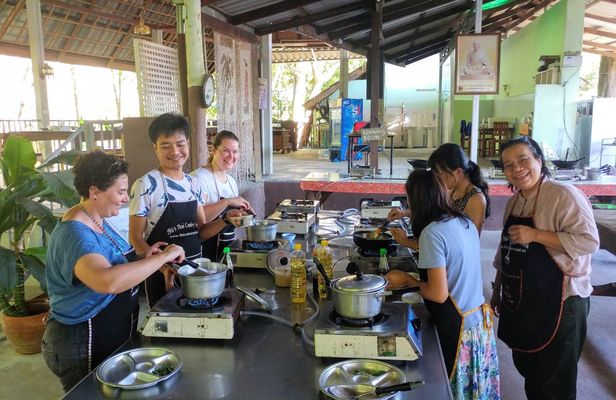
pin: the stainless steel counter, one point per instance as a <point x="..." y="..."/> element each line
<point x="264" y="360"/>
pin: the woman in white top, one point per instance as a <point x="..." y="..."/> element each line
<point x="221" y="191"/>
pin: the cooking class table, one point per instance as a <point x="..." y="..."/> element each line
<point x="265" y="359"/>
<point x="320" y="185"/>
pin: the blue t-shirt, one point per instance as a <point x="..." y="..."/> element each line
<point x="71" y="301"/>
<point x="454" y="244"/>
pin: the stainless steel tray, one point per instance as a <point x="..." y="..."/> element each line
<point x="139" y="368"/>
<point x="365" y="372"/>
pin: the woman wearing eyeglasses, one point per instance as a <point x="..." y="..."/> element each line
<point x="542" y="284"/>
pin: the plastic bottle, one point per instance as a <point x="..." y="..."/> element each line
<point x="325" y="256"/>
<point x="298" y="274"/>
<point x="383" y="264"/>
<point x="227" y="260"/>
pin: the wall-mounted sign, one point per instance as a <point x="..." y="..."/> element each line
<point x="477" y="64"/>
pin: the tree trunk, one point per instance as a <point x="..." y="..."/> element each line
<point x="607" y="77"/>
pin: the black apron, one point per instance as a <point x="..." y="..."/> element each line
<point x="212" y="248"/>
<point x="532" y="291"/>
<point x="449" y="321"/>
<point x="177" y="225"/>
<point x="113" y="326"/>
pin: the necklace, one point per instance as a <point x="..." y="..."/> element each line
<point x="101" y="227"/>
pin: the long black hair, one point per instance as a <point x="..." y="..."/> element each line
<point x="449" y="157"/>
<point x="534" y="148"/>
<point x="428" y="200"/>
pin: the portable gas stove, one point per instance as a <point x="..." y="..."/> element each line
<point x="394" y="334"/>
<point x="377" y="209"/>
<point x="496" y="173"/>
<point x="177" y="316"/>
<point x="398" y="257"/>
<point x="566" y="174"/>
<point x="247" y="254"/>
<point x="299" y="223"/>
<point x="299" y="206"/>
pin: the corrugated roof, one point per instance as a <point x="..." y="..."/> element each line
<point x="99" y="32"/>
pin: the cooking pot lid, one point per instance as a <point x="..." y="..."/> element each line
<point x="367" y="283"/>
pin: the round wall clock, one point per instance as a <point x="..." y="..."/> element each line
<point x="207" y="91"/>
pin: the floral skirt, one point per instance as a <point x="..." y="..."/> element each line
<point x="475" y="375"/>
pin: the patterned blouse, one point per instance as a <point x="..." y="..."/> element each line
<point x="460" y="204"/>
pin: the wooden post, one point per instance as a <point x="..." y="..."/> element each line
<point x="375" y="83"/>
<point x="195" y="68"/>
<point x="37" y="55"/>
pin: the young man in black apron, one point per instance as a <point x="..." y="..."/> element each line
<point x="543" y="304"/>
<point x="166" y="204"/>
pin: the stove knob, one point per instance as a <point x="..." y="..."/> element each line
<point x="416" y="324"/>
<point x="284" y="261"/>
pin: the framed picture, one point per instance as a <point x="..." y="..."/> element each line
<point x="477" y="64"/>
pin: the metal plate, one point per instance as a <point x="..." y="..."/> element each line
<point x="368" y="372"/>
<point x="139" y="368"/>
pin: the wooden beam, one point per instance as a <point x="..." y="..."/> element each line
<point x="601" y="53"/>
<point x="416" y="35"/>
<point x="297" y="21"/>
<point x="591" y="31"/>
<point x="599" y="45"/>
<point x="421" y="56"/>
<point x="207" y="21"/>
<point x="422" y="20"/>
<point x="601" y="18"/>
<point x="11" y="17"/>
<point x="268" y="11"/>
<point x="343" y="23"/>
<point x="525" y="15"/>
<point x="432" y="44"/>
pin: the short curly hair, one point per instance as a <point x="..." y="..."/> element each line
<point x="99" y="169"/>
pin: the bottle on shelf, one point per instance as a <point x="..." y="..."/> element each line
<point x="325" y="256"/>
<point x="298" y="274"/>
<point x="383" y="264"/>
<point x="227" y="260"/>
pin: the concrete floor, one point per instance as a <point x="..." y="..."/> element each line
<point x="27" y="377"/>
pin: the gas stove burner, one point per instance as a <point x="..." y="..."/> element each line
<point x="379" y="203"/>
<point x="212" y="303"/>
<point x="293" y="216"/>
<point x="260" y="246"/>
<point x="341" y="321"/>
<point x="302" y="202"/>
<point x="391" y="252"/>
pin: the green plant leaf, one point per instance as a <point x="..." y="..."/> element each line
<point x="18" y="158"/>
<point x="60" y="186"/>
<point x="36" y="268"/>
<point x="8" y="270"/>
<point x="38" y="252"/>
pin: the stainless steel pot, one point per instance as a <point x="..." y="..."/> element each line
<point x="358" y="296"/>
<point x="262" y="231"/>
<point x="197" y="284"/>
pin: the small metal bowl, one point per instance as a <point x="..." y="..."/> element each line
<point x="364" y="372"/>
<point x="139" y="368"/>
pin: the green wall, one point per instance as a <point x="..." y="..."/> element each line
<point x="520" y="53"/>
<point x="463" y="110"/>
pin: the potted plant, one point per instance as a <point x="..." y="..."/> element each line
<point x="24" y="193"/>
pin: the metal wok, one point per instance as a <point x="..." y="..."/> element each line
<point x="372" y="240"/>
<point x="566" y="164"/>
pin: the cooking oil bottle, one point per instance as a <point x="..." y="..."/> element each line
<point x="383" y="264"/>
<point x="227" y="260"/>
<point x="298" y="274"/>
<point x="325" y="256"/>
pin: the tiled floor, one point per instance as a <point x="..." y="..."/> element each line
<point x="27" y="377"/>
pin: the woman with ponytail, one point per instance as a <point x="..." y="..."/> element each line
<point x="468" y="191"/>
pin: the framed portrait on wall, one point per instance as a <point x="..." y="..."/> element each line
<point x="477" y="64"/>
